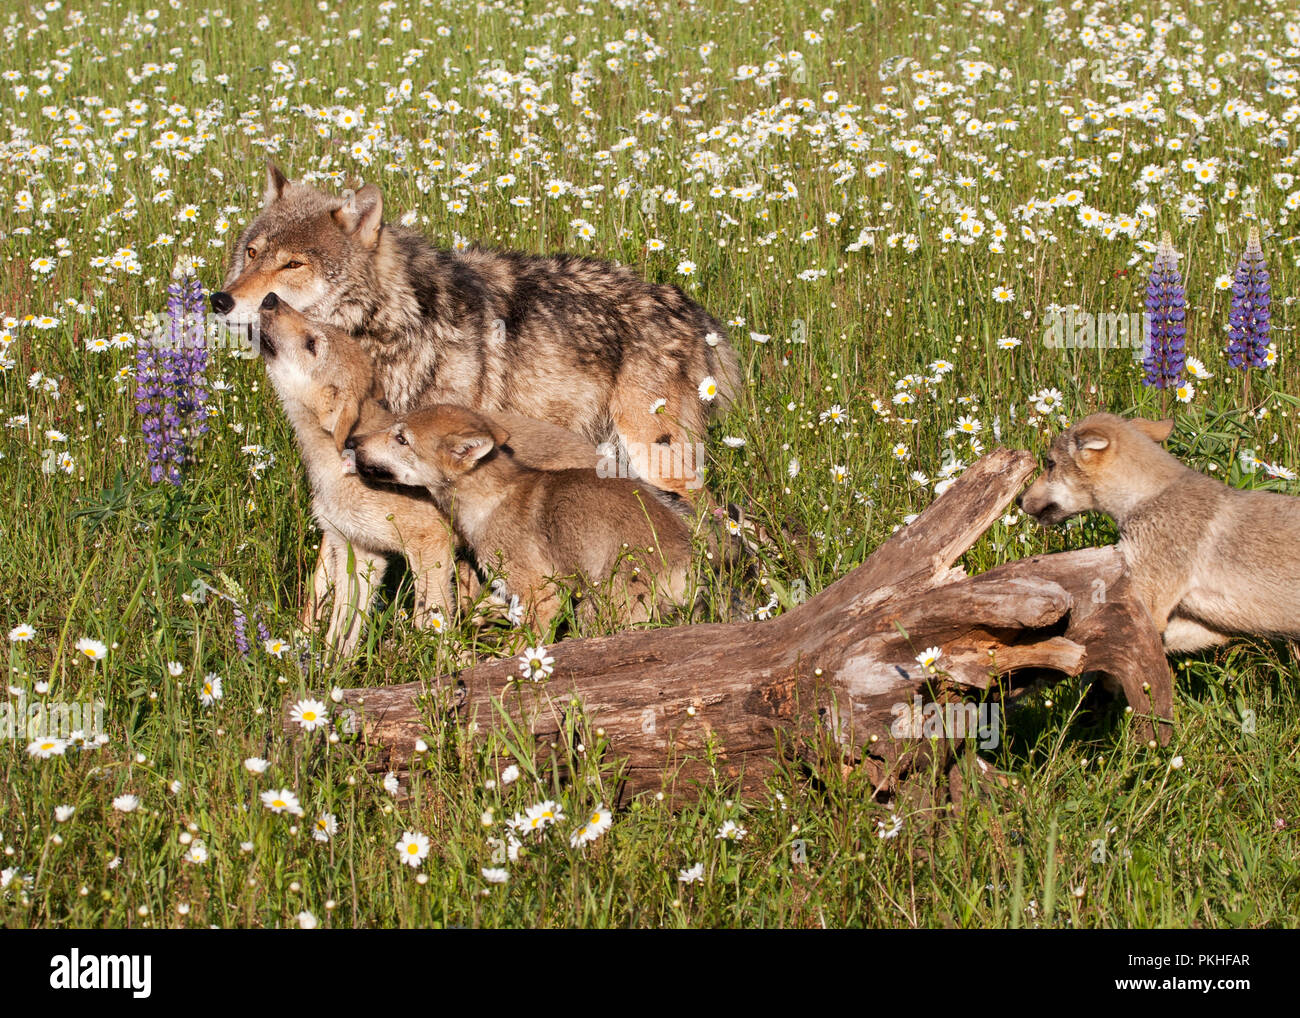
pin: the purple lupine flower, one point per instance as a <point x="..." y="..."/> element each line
<point x="263" y="634"/>
<point x="1248" y="317"/>
<point x="148" y="404"/>
<point x="241" y="632"/>
<point x="171" y="385"/>
<point x="1166" y="306"/>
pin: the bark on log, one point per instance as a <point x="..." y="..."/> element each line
<point x="824" y="683"/>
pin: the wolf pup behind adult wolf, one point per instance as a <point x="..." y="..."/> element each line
<point x="587" y="345"/>
<point x="544" y="527"/>
<point x="1207" y="560"/>
<point x="325" y="381"/>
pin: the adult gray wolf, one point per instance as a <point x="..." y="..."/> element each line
<point x="1207" y="560"/>
<point x="589" y="346"/>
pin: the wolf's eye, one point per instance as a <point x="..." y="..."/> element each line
<point x="311" y="345"/>
<point x="400" y="438"/>
<point x="291" y="265"/>
<point x="1051" y="463"/>
<point x="251" y="252"/>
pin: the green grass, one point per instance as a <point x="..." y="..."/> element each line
<point x="1089" y="829"/>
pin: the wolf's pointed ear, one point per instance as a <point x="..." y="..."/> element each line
<point x="276" y="182"/>
<point x="339" y="413"/>
<point x="466" y="450"/>
<point x="1090" y="442"/>
<point x="362" y="215"/>
<point x="1157" y="431"/>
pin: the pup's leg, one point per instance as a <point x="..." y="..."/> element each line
<point x="1183" y="635"/>
<point x="318" y="587"/>
<point x="432" y="560"/>
<point x="542" y="605"/>
<point x="352" y="595"/>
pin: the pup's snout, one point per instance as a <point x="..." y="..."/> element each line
<point x="223" y="303"/>
<point x="1020" y="501"/>
<point x="351" y="443"/>
<point x="269" y="303"/>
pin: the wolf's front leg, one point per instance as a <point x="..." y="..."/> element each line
<point x="1184" y="635"/>
<point x="353" y="591"/>
<point x="432" y="560"/>
<point x="322" y="579"/>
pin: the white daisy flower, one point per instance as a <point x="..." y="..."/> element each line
<point x="281" y="801"/>
<point x="310" y="714"/>
<point x="692" y="874"/>
<point x="535" y="664"/>
<point x="92" y="649"/>
<point x="413" y="848"/>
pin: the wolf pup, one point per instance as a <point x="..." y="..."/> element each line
<point x="325" y="382"/>
<point x="1207" y="560"/>
<point x="586" y="345"/>
<point x="542" y="526"/>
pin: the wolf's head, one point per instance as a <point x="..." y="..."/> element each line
<point x="1104" y="464"/>
<point x="433" y="448"/>
<point x="315" y="365"/>
<point x="312" y="249"/>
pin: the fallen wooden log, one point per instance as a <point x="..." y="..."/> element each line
<point x="834" y="682"/>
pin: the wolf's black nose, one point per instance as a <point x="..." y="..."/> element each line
<point x="351" y="443"/>
<point x="270" y="302"/>
<point x="223" y="303"/>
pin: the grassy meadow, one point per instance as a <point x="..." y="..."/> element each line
<point x="887" y="207"/>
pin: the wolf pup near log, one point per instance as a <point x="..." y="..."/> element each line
<point x="587" y="345"/>
<point x="1207" y="560"/>
<point x="325" y="383"/>
<point x="542" y="527"/>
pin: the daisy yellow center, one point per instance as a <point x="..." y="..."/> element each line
<point x="279" y="802"/>
<point x="309" y="715"/>
<point x="47" y="745"/>
<point x="413" y="848"/>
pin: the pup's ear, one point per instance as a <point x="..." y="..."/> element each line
<point x="340" y="412"/>
<point x="499" y="435"/>
<point x="361" y="215"/>
<point x="374" y="417"/>
<point x="467" y="449"/>
<point x="1157" y="431"/>
<point x="1090" y="442"/>
<point x="276" y="182"/>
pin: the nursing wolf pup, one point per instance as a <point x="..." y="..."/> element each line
<point x="1207" y="560"/>
<point x="587" y="345"/>
<point x="325" y="382"/>
<point x="544" y="527"/>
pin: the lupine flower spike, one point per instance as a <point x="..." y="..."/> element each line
<point x="1248" y="317"/>
<point x="171" y="387"/>
<point x="1166" y="303"/>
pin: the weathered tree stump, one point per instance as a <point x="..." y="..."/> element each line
<point x="830" y="681"/>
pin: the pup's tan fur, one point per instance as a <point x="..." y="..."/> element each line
<point x="325" y="381"/>
<point x="545" y="528"/>
<point x="1207" y="560"/>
